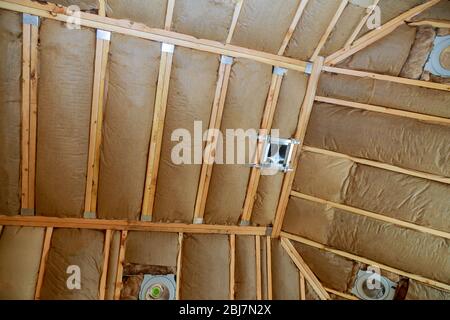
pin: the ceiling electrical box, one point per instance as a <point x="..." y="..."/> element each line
<point x="373" y="286"/>
<point x="158" y="287"/>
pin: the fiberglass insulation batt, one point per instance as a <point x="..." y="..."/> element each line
<point x="244" y="106"/>
<point x="128" y="114"/>
<point x="205" y="262"/>
<point x="245" y="268"/>
<point x="73" y="247"/>
<point x="151" y="13"/>
<point x="191" y="95"/>
<point x="66" y="64"/>
<point x="285" y="275"/>
<point x="263" y="24"/>
<point x="10" y="115"/>
<point x="285" y="120"/>
<point x="20" y="257"/>
<point x="203" y="19"/>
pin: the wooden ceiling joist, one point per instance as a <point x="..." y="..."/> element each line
<point x="329" y="29"/>
<point x="342" y="294"/>
<point x="304" y="269"/>
<point x="302" y="285"/>
<point x="169" y="14"/>
<point x="162" y="91"/>
<point x="385" y="110"/>
<point x="103" y="277"/>
<point x="444" y="24"/>
<point x="100" y="224"/>
<point x="303" y="121"/>
<point x="373" y="215"/>
<point x="383" y="77"/>
<point x="214" y="125"/>
<point x="293" y="26"/>
<point x="234" y="20"/>
<point x="266" y="126"/>
<point x="381" y="165"/>
<point x="258" y="268"/>
<point x="232" y="239"/>
<point x="179" y="264"/>
<point x="52" y="11"/>
<point x="269" y="268"/>
<point x="95" y="134"/>
<point x="120" y="261"/>
<point x="378" y="33"/>
<point x="42" y="265"/>
<point x="361" y="24"/>
<point x="419" y="278"/>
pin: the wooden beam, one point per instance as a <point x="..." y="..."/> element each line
<point x="179" y="264"/>
<point x="329" y="29"/>
<point x="293" y="26"/>
<point x="269" y="268"/>
<point x="258" y="268"/>
<point x="100" y="224"/>
<point x="214" y="124"/>
<point x="98" y="133"/>
<point x="378" y="34"/>
<point x="52" y="11"/>
<point x="361" y="24"/>
<point x="435" y="23"/>
<point x="304" y="269"/>
<point x="372" y="215"/>
<point x="106" y="249"/>
<point x="383" y="77"/>
<point x="385" y="110"/>
<point x="120" y="262"/>
<point x="232" y="265"/>
<point x="342" y="295"/>
<point x="25" y="114"/>
<point x="434" y="283"/>
<point x="169" y="14"/>
<point x="302" y="286"/>
<point x="101" y="56"/>
<point x="102" y="8"/>
<point x="266" y="125"/>
<point x="381" y="165"/>
<point x="159" y="116"/>
<point x="234" y="20"/>
<point x="303" y="121"/>
<point x="44" y="256"/>
<point x="33" y="115"/>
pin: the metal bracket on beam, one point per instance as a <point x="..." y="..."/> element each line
<point x="279" y="71"/>
<point x="198" y="221"/>
<point x="245" y="223"/>
<point x="89" y="215"/>
<point x="27" y="212"/>
<point x="167" y="47"/>
<point x="269" y="231"/>
<point x="30" y="19"/>
<point x="103" y="35"/>
<point x="146" y="218"/>
<point x="309" y="67"/>
<point x="226" y="60"/>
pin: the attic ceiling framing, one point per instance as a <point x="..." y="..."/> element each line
<point x="168" y="37"/>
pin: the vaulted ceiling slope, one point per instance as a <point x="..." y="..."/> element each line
<point x="86" y="125"/>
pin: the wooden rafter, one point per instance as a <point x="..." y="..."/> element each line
<point x="293" y="26"/>
<point x="383" y="77"/>
<point x="302" y="286"/>
<point x="101" y="59"/>
<point x="258" y="268"/>
<point x="52" y="11"/>
<point x="435" y="23"/>
<point x="44" y="256"/>
<point x="169" y="14"/>
<point x="214" y="124"/>
<point x="232" y="265"/>
<point x="106" y="249"/>
<point x="342" y="294"/>
<point x="269" y="267"/>
<point x="120" y="262"/>
<point x="373" y="215"/>
<point x="179" y="264"/>
<point x="304" y="269"/>
<point x="381" y="165"/>
<point x="266" y="125"/>
<point x="354" y="257"/>
<point x="303" y="121"/>
<point x="385" y="110"/>
<point x="329" y="29"/>
<point x="378" y="34"/>
<point x="102" y="8"/>
<point x="234" y="20"/>
<point x="100" y="224"/>
<point x="361" y="24"/>
<point x="159" y="116"/>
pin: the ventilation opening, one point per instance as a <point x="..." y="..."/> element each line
<point x="439" y="61"/>
<point x="276" y="154"/>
